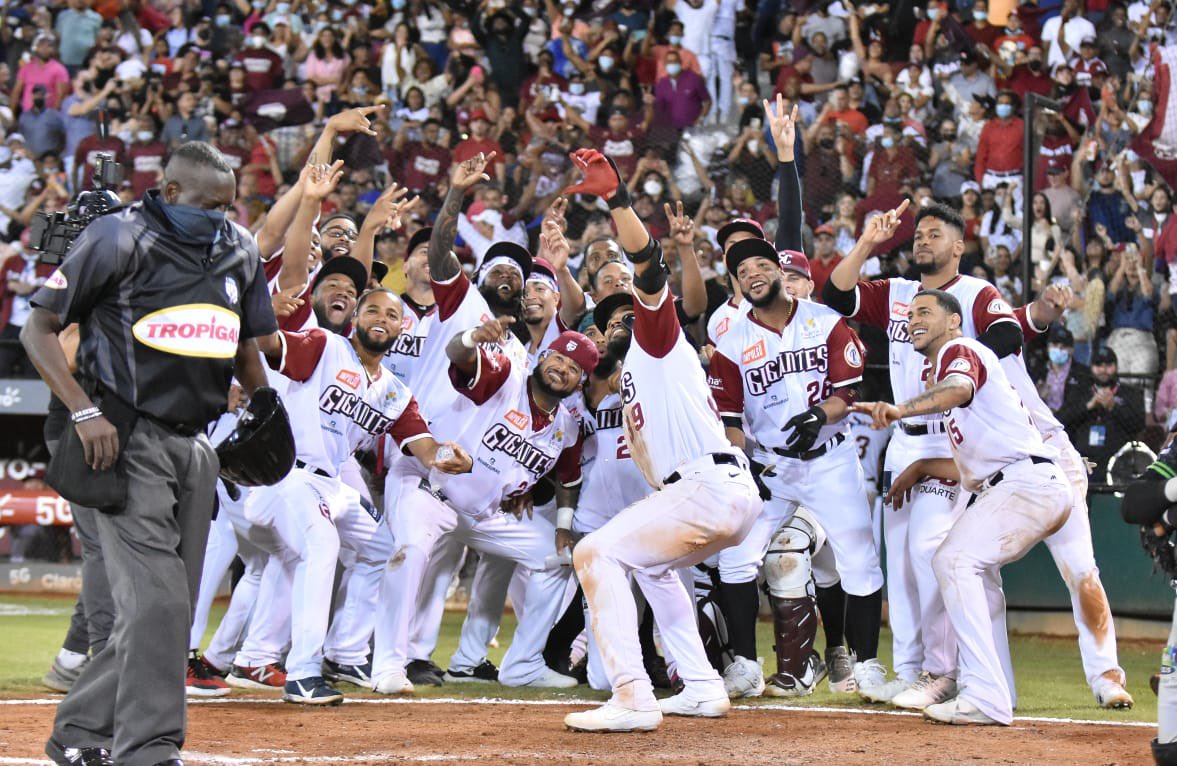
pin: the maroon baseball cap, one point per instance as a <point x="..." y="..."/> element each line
<point x="578" y="348"/>
<point x="740" y="224"/>
<point x="479" y="114"/>
<point x="794" y="260"/>
<point x="824" y="228"/>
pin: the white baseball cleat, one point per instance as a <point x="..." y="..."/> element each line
<point x="884" y="692"/>
<point x="550" y="679"/>
<point x="927" y="690"/>
<point x="696" y="703"/>
<point x="743" y="678"/>
<point x="395" y="682"/>
<point x="869" y="674"/>
<point x="612" y="717"/>
<point x="1111" y="694"/>
<point x="958" y="711"/>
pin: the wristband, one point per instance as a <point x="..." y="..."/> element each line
<point x="468" y="339"/>
<point x="564" y="517"/>
<point x="89" y="413"/>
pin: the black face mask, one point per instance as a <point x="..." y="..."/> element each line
<point x="948" y="136"/>
<point x="1035" y="65"/>
<point x="826" y="143"/>
<point x="39" y="102"/>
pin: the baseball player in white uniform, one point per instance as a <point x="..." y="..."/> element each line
<point x="789" y="368"/>
<point x="1019" y="496"/>
<point x="338" y="397"/>
<point x="923" y="640"/>
<point x="734" y="307"/>
<point x="706" y="499"/>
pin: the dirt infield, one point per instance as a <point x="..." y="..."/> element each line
<point x="240" y="733"/>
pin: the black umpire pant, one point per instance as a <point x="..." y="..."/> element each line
<point x="130" y="698"/>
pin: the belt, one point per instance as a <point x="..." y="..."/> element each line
<point x="720" y="458"/>
<point x="312" y="469"/>
<point x="1003" y="173"/>
<point x="923" y="429"/>
<point x="183" y="429"/>
<point x="816" y="452"/>
<point x="996" y="478"/>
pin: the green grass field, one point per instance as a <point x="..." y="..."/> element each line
<point x="1049" y="675"/>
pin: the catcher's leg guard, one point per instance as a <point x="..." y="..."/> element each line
<point x="794" y="613"/>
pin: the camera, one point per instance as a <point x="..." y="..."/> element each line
<point x="51" y="234"/>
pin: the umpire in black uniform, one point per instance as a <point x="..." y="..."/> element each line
<point x="170" y="298"/>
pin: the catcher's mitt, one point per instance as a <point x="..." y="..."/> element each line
<point x="260" y="451"/>
<point x="1160" y="547"/>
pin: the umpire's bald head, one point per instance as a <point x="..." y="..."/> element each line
<point x="198" y="175"/>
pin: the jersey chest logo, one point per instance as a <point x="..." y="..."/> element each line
<point x="371" y="420"/>
<point x="349" y="378"/>
<point x="407" y="345"/>
<point x="758" y="380"/>
<point x="194" y="329"/>
<point x="754" y="352"/>
<point x="517" y="419"/>
<point x="500" y="438"/>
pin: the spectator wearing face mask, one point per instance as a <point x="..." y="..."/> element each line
<point x="1061" y="368"/>
<point x="264" y="69"/>
<point x="1101" y="414"/>
<point x="684" y="57"/>
<point x="999" y="148"/>
<point x="680" y="98"/>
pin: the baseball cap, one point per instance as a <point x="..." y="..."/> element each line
<point x="479" y="114"/>
<point x="578" y="348"/>
<point x="1103" y="355"/>
<point x="379" y="270"/>
<point x="347" y="266"/>
<point x="1061" y="336"/>
<point x="825" y="229"/>
<point x="1087" y="40"/>
<point x="740" y="224"/>
<point x="750" y="248"/>
<point x="17" y="137"/>
<point x="551" y="114"/>
<point x="1054" y="167"/>
<point x="510" y="250"/>
<point x="608" y="306"/>
<point x="795" y="261"/>
<point x="543" y="271"/>
<point x="420" y="238"/>
<point x="968" y="57"/>
<point x="972" y="186"/>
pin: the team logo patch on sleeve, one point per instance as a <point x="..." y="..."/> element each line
<point x="231" y="290"/>
<point x="755" y="352"/>
<point x="349" y="378"/>
<point x="852" y="355"/>
<point x="57" y="281"/>
<point x="960" y="365"/>
<point x="998" y="306"/>
<point x="722" y="327"/>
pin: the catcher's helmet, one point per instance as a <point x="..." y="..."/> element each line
<point x="260" y="451"/>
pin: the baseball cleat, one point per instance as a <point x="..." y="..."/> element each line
<point x="696" y="704"/>
<point x="959" y="712"/>
<point x="927" y="690"/>
<point x="360" y="675"/>
<point x="840" y="666"/>
<point x="395" y="682"/>
<point x="869" y="674"/>
<point x="485" y="673"/>
<point x="743" y="678"/>
<point x="787" y="685"/>
<point x="265" y="677"/>
<point x="202" y="679"/>
<point x="550" y="679"/>
<point x="883" y="692"/>
<point x="87" y="756"/>
<point x="612" y="717"/>
<point x="60" y="678"/>
<point x="1110" y="693"/>
<point x="311" y="691"/>
<point x="424" y="673"/>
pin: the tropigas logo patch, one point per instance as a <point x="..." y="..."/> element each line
<point x="193" y="329"/>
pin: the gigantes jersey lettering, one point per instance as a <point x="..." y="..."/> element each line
<point x="670" y="416"/>
<point x="334" y="406"/>
<point x="993" y="429"/>
<point x="770" y="376"/>
<point x="512" y="440"/>
<point x="404" y="357"/>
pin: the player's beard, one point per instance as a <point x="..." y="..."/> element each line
<point x="541" y="383"/>
<point x="618" y="345"/>
<point x="325" y="323"/>
<point x="771" y="297"/>
<point x="930" y="267"/>
<point x="372" y="346"/>
<point x="509" y="306"/>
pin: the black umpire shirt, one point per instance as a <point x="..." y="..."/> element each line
<point x="160" y="317"/>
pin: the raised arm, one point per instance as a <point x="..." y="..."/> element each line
<point x="783" y="124"/>
<point x="462" y="349"/>
<point x="319" y="184"/>
<point x="386" y="213"/>
<point x="280" y="217"/>
<point x="694" y="291"/>
<point x="443" y="264"/>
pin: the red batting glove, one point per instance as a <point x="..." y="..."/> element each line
<point x="601" y="178"/>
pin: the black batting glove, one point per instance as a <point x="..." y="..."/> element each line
<point x="805" y="428"/>
<point x="759" y="471"/>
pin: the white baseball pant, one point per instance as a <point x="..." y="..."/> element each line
<point x="314" y="516"/>
<point x="922" y="635"/>
<point x="709" y="508"/>
<point x="833" y="489"/>
<point x="1030" y="502"/>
